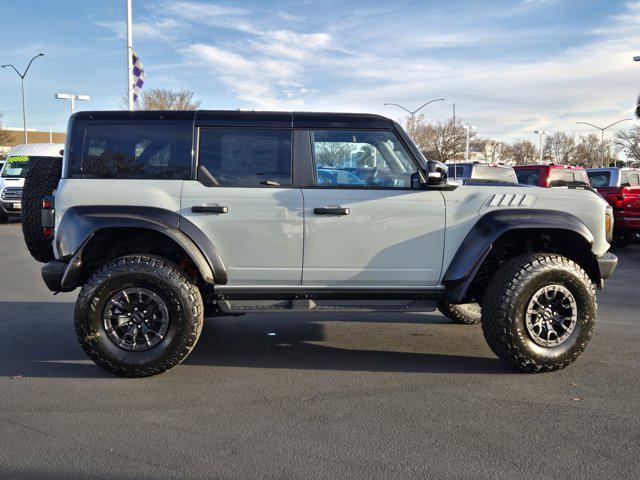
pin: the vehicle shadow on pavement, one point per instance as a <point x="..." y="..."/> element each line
<point x="254" y="344"/>
<point x="51" y="350"/>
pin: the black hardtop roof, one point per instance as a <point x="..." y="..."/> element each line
<point x="246" y="118"/>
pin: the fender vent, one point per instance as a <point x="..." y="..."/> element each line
<point x="511" y="200"/>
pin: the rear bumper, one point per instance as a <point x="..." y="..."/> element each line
<point x="607" y="264"/>
<point x="627" y="223"/>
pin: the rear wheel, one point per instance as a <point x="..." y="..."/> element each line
<point x="539" y="311"/>
<point x="467" y="313"/>
<point x="41" y="180"/>
<point x="138" y="316"/>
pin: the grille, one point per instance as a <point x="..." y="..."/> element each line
<point x="12" y="193"/>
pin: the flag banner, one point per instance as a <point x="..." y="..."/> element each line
<point x="137" y="75"/>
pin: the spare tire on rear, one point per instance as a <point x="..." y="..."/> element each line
<point x="41" y="180"/>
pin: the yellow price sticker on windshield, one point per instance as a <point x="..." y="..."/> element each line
<point x="19" y="158"/>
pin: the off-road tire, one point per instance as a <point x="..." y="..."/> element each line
<point x="466" y="313"/>
<point x="623" y="239"/>
<point x="183" y="300"/>
<point x="41" y="180"/>
<point x="505" y="301"/>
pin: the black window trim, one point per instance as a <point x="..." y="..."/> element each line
<point x="196" y="161"/>
<point x="315" y="185"/>
<point x="111" y="123"/>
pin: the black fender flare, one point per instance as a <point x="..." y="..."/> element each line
<point x="491" y="226"/>
<point x="81" y="223"/>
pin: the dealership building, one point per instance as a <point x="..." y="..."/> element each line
<point x="15" y="136"/>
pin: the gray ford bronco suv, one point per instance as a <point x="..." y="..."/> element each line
<point x="164" y="218"/>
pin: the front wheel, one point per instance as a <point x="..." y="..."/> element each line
<point x="539" y="311"/>
<point x="138" y="315"/>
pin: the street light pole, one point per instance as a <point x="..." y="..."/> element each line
<point x="468" y="128"/>
<point x="22" y="75"/>
<point x="412" y="113"/>
<point x="72" y="97"/>
<point x="602" y="130"/>
<point x="541" y="133"/>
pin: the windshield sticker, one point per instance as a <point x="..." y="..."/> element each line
<point x="21" y="158"/>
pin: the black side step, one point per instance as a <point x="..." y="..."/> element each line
<point x="226" y="293"/>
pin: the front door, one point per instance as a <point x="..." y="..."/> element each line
<point x="243" y="201"/>
<point x="365" y="226"/>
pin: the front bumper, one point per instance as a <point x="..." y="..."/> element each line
<point x="627" y="223"/>
<point x="7" y="208"/>
<point x="607" y="264"/>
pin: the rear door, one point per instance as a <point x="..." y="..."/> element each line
<point x="375" y="231"/>
<point x="244" y="201"/>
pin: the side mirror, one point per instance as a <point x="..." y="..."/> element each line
<point x="437" y="173"/>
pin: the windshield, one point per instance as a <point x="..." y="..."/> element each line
<point x="16" y="167"/>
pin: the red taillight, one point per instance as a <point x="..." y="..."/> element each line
<point x="47" y="203"/>
<point x="616" y="200"/>
<point x="47" y="232"/>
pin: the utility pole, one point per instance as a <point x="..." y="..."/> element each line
<point x="129" y="56"/>
<point x="22" y="75"/>
<point x="602" y="130"/>
<point x="541" y="133"/>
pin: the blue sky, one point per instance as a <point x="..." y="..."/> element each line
<point x="510" y="66"/>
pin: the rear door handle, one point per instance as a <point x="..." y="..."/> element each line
<point x="209" y="209"/>
<point x="331" y="211"/>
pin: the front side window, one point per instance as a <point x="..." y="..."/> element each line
<point x="242" y="157"/>
<point x="361" y="159"/>
<point x="135" y="152"/>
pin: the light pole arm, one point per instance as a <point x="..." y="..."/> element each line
<point x="430" y="101"/>
<point x="400" y="106"/>
<point x="591" y="125"/>
<point x="29" y="64"/>
<point x="14" y="68"/>
<point x="615" y="123"/>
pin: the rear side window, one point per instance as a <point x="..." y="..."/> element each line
<point x="599" y="179"/>
<point x="529" y="176"/>
<point x="629" y="180"/>
<point x="244" y="157"/>
<point x="557" y="176"/>
<point x="135" y="152"/>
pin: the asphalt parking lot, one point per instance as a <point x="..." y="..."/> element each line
<point x="327" y="396"/>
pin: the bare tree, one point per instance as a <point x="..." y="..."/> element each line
<point x="559" y="148"/>
<point x="442" y="141"/>
<point x="523" y="152"/>
<point x="638" y="107"/>
<point x="5" y="136"/>
<point x="589" y="151"/>
<point x="332" y="154"/>
<point x="493" y="151"/>
<point x="166" y="99"/>
<point x="629" y="142"/>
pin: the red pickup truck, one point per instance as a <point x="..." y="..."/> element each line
<point x="621" y="188"/>
<point x="550" y="175"/>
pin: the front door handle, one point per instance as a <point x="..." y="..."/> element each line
<point x="331" y="211"/>
<point x="209" y="209"/>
